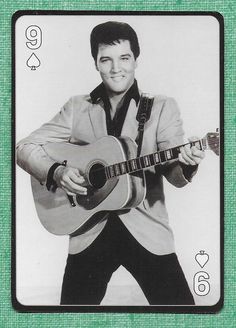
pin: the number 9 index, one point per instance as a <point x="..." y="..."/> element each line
<point x="33" y="33"/>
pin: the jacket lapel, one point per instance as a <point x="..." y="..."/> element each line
<point x="130" y="127"/>
<point x="98" y="120"/>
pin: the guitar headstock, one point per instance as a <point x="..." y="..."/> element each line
<point x="212" y="141"/>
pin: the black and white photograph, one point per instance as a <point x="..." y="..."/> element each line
<point x="117" y="162"/>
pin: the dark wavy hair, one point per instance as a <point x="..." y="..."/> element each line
<point x="112" y="32"/>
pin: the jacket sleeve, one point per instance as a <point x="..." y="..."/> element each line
<point x="29" y="151"/>
<point x="170" y="134"/>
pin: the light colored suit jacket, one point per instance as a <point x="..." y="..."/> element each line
<point x="80" y="121"/>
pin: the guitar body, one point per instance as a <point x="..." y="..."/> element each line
<point x="106" y="166"/>
<point x="54" y="209"/>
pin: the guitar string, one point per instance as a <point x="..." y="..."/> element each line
<point x="211" y="143"/>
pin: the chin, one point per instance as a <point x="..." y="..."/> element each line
<point x="119" y="88"/>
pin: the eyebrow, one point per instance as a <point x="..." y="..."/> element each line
<point x="107" y="57"/>
<point x="104" y="57"/>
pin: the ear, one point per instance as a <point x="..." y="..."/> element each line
<point x="136" y="63"/>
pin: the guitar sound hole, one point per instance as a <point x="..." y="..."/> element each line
<point x="97" y="176"/>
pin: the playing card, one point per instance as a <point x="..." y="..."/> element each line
<point x="181" y="56"/>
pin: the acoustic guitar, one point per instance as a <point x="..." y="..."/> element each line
<point x="114" y="177"/>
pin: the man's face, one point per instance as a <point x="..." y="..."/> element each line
<point x="116" y="65"/>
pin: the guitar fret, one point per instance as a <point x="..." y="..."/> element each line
<point x="175" y="152"/>
<point x="123" y="168"/>
<point x="143" y="162"/>
<point x="139" y="165"/>
<point x="156" y="158"/>
<point x="146" y="161"/>
<point x="133" y="164"/>
<point x="151" y="160"/>
<point x="112" y="173"/>
<point x="130" y="165"/>
<point x="141" y="159"/>
<point x="201" y="144"/>
<point x="127" y="167"/>
<point x="168" y="154"/>
<point x="204" y="143"/>
<point x="162" y="156"/>
<point x="120" y="168"/>
<point x="117" y="170"/>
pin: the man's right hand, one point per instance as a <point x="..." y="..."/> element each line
<point x="70" y="180"/>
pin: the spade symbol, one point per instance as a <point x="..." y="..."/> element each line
<point x="33" y="62"/>
<point x="202" y="258"/>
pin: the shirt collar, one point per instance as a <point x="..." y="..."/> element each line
<point x="100" y="93"/>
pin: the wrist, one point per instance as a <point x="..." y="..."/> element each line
<point x="51" y="183"/>
<point x="58" y="174"/>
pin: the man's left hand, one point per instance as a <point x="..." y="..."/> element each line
<point x="191" y="155"/>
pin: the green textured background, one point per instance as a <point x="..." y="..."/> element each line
<point x="11" y="318"/>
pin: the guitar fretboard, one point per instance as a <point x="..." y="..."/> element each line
<point x="146" y="161"/>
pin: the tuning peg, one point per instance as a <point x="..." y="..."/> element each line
<point x="217" y="130"/>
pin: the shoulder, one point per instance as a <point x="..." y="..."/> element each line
<point x="162" y="100"/>
<point x="80" y="99"/>
<point x="164" y="106"/>
<point x="78" y="103"/>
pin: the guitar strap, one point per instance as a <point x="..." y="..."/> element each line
<point x="143" y="115"/>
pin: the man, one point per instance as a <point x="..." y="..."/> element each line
<point x="140" y="239"/>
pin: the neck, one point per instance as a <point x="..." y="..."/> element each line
<point x="116" y="98"/>
<point x="140" y="163"/>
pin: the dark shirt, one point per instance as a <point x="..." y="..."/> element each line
<point x="114" y="126"/>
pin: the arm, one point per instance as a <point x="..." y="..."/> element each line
<point x="170" y="134"/>
<point x="34" y="160"/>
<point x="30" y="153"/>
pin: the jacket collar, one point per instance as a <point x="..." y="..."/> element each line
<point x="99" y="93"/>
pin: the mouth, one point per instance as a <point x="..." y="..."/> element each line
<point x="117" y="78"/>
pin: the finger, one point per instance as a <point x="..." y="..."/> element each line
<point x="182" y="160"/>
<point x="197" y="160"/>
<point x="76" y="177"/>
<point x="74" y="192"/>
<point x="193" y="140"/>
<point x="197" y="152"/>
<point x="187" y="150"/>
<point x="186" y="161"/>
<point x="195" y="157"/>
<point x="73" y="187"/>
<point x="187" y="155"/>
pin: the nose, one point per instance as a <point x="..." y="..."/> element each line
<point x="115" y="66"/>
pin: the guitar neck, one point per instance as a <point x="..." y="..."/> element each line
<point x="146" y="161"/>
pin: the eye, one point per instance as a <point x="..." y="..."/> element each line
<point x="104" y="60"/>
<point x="125" y="58"/>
